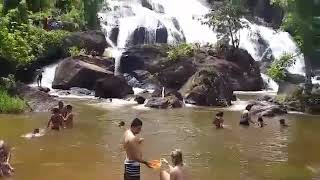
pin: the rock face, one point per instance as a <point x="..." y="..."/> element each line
<point x="37" y="100"/>
<point x="267" y="109"/>
<point x="164" y="103"/>
<point x="89" y="40"/>
<point x="112" y="87"/>
<point x="75" y="72"/>
<point x="207" y="88"/>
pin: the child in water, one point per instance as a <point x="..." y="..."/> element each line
<point x="177" y="171"/>
<point x="261" y="123"/>
<point x="283" y="123"/>
<point x="218" y="120"/>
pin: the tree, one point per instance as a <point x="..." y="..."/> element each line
<point x="225" y="18"/>
<point x="91" y="8"/>
<point x="302" y="20"/>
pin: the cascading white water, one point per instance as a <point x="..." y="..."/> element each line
<point x="47" y="76"/>
<point x="272" y="85"/>
<point x="141" y="19"/>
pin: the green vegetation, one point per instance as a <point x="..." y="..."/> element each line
<point x="180" y="51"/>
<point x="75" y="51"/>
<point x="303" y="22"/>
<point x="277" y="69"/>
<point x="225" y="18"/>
<point x="10" y="104"/>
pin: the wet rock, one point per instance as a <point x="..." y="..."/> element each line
<point x="75" y="72"/>
<point x="164" y="103"/>
<point x="146" y="4"/>
<point x="140" y="99"/>
<point x="112" y="87"/>
<point x="44" y="89"/>
<point x="89" y="40"/>
<point x="161" y="35"/>
<point x="37" y="100"/>
<point x="207" y="88"/>
<point x="114" y="35"/>
<point x="267" y="109"/>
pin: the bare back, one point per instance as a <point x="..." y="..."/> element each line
<point x="179" y="173"/>
<point x="132" y="146"/>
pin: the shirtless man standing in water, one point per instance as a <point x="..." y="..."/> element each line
<point x="133" y="151"/>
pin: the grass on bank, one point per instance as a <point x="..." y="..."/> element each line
<point x="9" y="104"/>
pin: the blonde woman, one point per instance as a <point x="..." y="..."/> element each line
<point x="177" y="171"/>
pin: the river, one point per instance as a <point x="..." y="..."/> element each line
<point x="92" y="150"/>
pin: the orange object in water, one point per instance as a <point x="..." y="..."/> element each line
<point x="155" y="164"/>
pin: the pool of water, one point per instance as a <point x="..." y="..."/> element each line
<point x="92" y="149"/>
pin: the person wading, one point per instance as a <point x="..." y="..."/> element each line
<point x="133" y="152"/>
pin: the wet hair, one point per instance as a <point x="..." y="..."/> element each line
<point x="69" y="107"/>
<point x="219" y="114"/>
<point x="35" y="131"/>
<point x="282" y="121"/>
<point x="248" y="107"/>
<point x="176" y="157"/>
<point x="55" y="110"/>
<point x="121" y="124"/>
<point x="260" y="119"/>
<point x="60" y="103"/>
<point x="136" y="122"/>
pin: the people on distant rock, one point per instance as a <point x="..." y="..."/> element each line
<point x="134" y="157"/>
<point x="283" y="123"/>
<point x="261" y="123"/>
<point x="68" y="120"/>
<point x="5" y="168"/>
<point x="175" y="172"/>
<point x="56" y="120"/>
<point x="218" y="120"/>
<point x="39" y="79"/>
<point x="245" y="117"/>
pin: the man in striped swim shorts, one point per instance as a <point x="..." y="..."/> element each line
<point x="133" y="151"/>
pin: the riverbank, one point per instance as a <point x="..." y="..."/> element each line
<point x="92" y="149"/>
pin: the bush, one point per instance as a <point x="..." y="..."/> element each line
<point x="277" y="69"/>
<point x="10" y="104"/>
<point x="75" y="51"/>
<point x="180" y="51"/>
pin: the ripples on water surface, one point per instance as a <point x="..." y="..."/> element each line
<point x="92" y="151"/>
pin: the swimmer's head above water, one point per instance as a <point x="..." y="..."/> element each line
<point x="36" y="131"/>
<point x="176" y="157"/>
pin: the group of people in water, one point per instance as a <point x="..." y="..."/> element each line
<point x="62" y="117"/>
<point x="245" y="119"/>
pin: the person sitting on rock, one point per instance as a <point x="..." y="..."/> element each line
<point x="245" y="117"/>
<point x="5" y="155"/>
<point x="283" y="123"/>
<point x="56" y="120"/>
<point x="68" y="120"/>
<point x="218" y="120"/>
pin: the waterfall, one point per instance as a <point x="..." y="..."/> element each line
<point x="272" y="85"/>
<point x="47" y="76"/>
<point x="130" y="22"/>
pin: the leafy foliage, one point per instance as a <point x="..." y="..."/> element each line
<point x="180" y="51"/>
<point x="9" y="104"/>
<point x="278" y="66"/>
<point x="75" y="51"/>
<point x="225" y="18"/>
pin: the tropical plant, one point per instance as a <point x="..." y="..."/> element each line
<point x="277" y="70"/>
<point x="180" y="51"/>
<point x="225" y="18"/>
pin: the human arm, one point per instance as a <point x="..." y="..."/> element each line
<point x="49" y="122"/>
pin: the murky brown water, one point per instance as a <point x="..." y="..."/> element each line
<point x="91" y="150"/>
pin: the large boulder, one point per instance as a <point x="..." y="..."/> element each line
<point x="207" y="88"/>
<point x="266" y="109"/>
<point x="89" y="40"/>
<point x="164" y="103"/>
<point x="75" y="72"/>
<point x="112" y="87"/>
<point x="37" y="100"/>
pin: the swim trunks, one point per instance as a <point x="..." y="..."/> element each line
<point x="131" y="170"/>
